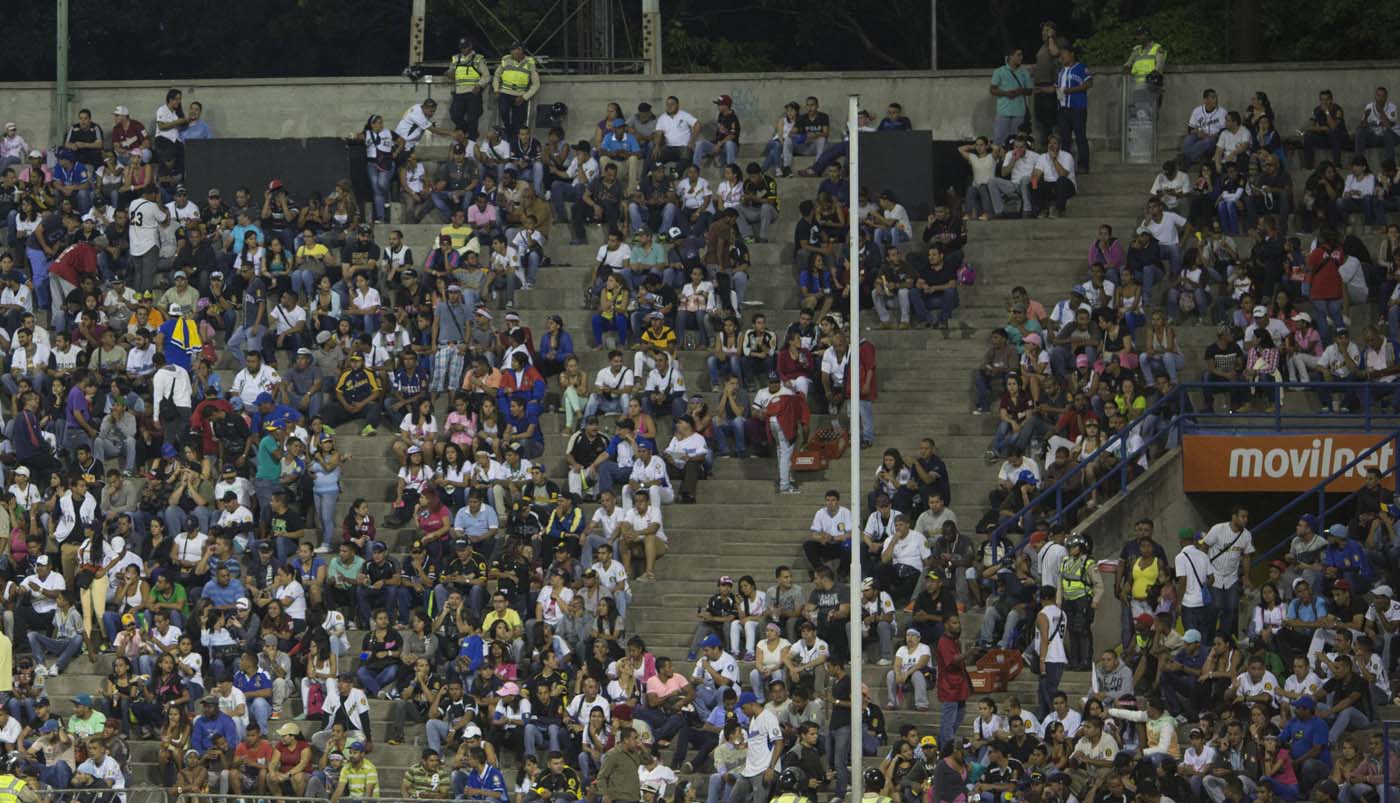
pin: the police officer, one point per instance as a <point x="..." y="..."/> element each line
<point x="13" y="788"/>
<point x="874" y="781"/>
<point x="789" y="782"/>
<point x="517" y="80"/>
<point x="1147" y="57"/>
<point x="1079" y="593"/>
<point x="469" y="76"/>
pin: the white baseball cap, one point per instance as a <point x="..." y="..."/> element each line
<point x="122" y="111"/>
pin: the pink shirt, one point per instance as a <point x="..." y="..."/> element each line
<point x="481" y="218"/>
<point x="666" y="688"/>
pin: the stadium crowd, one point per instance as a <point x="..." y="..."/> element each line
<point x="196" y="533"/>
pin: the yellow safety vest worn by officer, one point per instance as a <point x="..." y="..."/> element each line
<point x="10" y="787"/>
<point x="467" y="72"/>
<point x="1074" y="577"/>
<point x="871" y="797"/>
<point x="514" y="76"/>
<point x="1144" y="61"/>
<point x="789" y="797"/>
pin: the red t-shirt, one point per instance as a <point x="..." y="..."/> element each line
<point x="433" y="520"/>
<point x="76" y="261"/>
<point x="954" y="685"/>
<point x="260" y="757"/>
<point x="1326" y="269"/>
<point x="288" y="757"/>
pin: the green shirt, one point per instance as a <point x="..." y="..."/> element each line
<point x="177" y="594"/>
<point x="91" y="726"/>
<point x="347" y="573"/>
<point x="430" y="783"/>
<point x="653" y="257"/>
<point x="1005" y="79"/>
<point x="269" y="467"/>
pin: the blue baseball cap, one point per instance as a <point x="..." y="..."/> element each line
<point x="748" y="698"/>
<point x="83" y="699"/>
<point x="1305" y="702"/>
<point x="1026" y="476"/>
<point x="710" y="641"/>
<point x="358" y="746"/>
<point x="263" y="398"/>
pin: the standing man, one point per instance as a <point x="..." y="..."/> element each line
<point x="765" y="751"/>
<point x="1050" y="648"/>
<point x="618" y="779"/>
<point x="1193" y="579"/>
<point x="1080" y="590"/>
<point x="954" y="686"/>
<point x="1227" y="545"/>
<point x="145" y="216"/>
<point x="1047" y="65"/>
<point x="1072" y="86"/>
<point x="470" y="76"/>
<point x="517" y="80"/>
<point x="1146" y="58"/>
<point x="1013" y="88"/>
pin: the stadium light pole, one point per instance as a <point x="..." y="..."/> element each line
<point x="853" y="407"/>
<point x="60" y="84"/>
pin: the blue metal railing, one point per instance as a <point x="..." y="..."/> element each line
<point x="1324" y="510"/>
<point x="1175" y="415"/>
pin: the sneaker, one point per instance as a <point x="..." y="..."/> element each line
<point x="322" y="550"/>
<point x="275" y="714"/>
<point x="687" y="768"/>
<point x="368" y="431"/>
<point x="790" y="490"/>
<point x="41" y="671"/>
<point x="884" y="662"/>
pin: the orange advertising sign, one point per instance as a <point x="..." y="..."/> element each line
<point x="1285" y="463"/>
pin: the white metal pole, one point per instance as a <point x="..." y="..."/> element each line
<point x="853" y="387"/>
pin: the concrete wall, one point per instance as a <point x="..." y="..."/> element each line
<point x="953" y="104"/>
<point x="1159" y="495"/>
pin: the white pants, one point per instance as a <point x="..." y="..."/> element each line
<point x="659" y="494"/>
<point x="784" y="454"/>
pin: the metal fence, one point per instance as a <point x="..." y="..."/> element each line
<point x="131" y="794"/>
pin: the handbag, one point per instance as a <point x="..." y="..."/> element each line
<point x="315" y="699"/>
<point x="83" y="580"/>
<point x="1206" y="598"/>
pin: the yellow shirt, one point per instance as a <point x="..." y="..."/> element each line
<point x="7" y="661"/>
<point x="459" y="234"/>
<point x="1143" y="579"/>
<point x="318" y="252"/>
<point x="359" y="782"/>
<point x="510" y="617"/>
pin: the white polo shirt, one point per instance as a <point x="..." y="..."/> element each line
<point x="676" y="128"/>
<point x="836" y="524"/>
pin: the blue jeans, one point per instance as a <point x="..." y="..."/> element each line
<point x="245" y="339"/>
<point x="1328" y="314"/>
<point x="65" y="649"/>
<point x="1348" y="719"/>
<point x="560" y="193"/>
<point x="1170" y="361"/>
<point x="639" y="217"/>
<point x="1226" y="604"/>
<point x="1005" y="127"/>
<point x="950" y="720"/>
<point x="729" y="150"/>
<point x="379" y="181"/>
<point x="39" y="272"/>
<point x="325" y="511"/>
<point x="1198" y="619"/>
<point x="375" y="681"/>
<point x="1049" y="684"/>
<point x="729" y="437"/>
<point x="731" y="368"/>
<point x="618" y="325"/>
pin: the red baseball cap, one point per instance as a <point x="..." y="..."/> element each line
<point x="724" y="100"/>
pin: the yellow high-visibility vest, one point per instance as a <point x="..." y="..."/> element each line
<point x="10" y="787"/>
<point x="465" y="72"/>
<point x="1073" y="572"/>
<point x="1145" y="61"/>
<point x="515" y="76"/>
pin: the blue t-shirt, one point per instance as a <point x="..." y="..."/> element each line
<point x="1307" y="613"/>
<point x="477" y="525"/>
<point x="521" y="423"/>
<point x="1303" y="736"/>
<point x="224" y="596"/>
<point x="257" y="682"/>
<point x="488" y="777"/>
<point x="1069" y="78"/>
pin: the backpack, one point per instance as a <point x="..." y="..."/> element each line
<point x="967" y="275"/>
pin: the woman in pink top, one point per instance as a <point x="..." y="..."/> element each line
<point x="1302" y="349"/>
<point x="1107" y="250"/>
<point x="1278" y="768"/>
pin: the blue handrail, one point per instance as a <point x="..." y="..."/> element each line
<point x="1324" y="510"/>
<point x="1187" y="420"/>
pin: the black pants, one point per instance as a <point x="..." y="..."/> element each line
<point x="1080" y="636"/>
<point x="513" y="115"/>
<point x="177" y="426"/>
<point x="1046" y="110"/>
<point x="1335" y="139"/>
<point x="819" y="554"/>
<point x="466" y="112"/>
<point x="689" y="477"/>
<point x="1074" y="123"/>
<point x="703" y="741"/>
<point x="1057" y="192"/>
<point x="583" y="213"/>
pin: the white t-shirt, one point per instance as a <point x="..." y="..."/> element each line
<point x="1309" y="685"/>
<point x="1071" y="722"/>
<point x="1212" y="121"/>
<point x="1192" y="564"/>
<point x="144" y="230"/>
<point x="296" y="609"/>
<point x="553" y="605"/>
<point x="607" y="379"/>
<point x="836" y="524"/>
<point x="639" y="522"/>
<point x="165" y="114"/>
<point x="1198" y="761"/>
<point x="1166" y="230"/>
<point x="1226" y="551"/>
<point x="10" y="733"/>
<point x="764" y="733"/>
<point x="912" y="550"/>
<point x="283" y="319"/>
<point x="195" y="664"/>
<point x="607" y="522"/>
<point x="616" y="258"/>
<point x="41" y="603"/>
<point x="804" y="653"/>
<point x="1229" y="140"/>
<point x="676" y="129"/>
<point x="109" y="770"/>
<point x="906" y="659"/>
<point x="1268" y="684"/>
<point x="231" y="703"/>
<point x="724" y="664"/>
<point x="679" y="451"/>
<point x="1045" y="163"/>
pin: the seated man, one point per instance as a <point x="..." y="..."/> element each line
<point x="1379" y="126"/>
<point x="1205" y="124"/>
<point x="1053" y="179"/>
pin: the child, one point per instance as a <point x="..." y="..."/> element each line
<point x="1278" y="768"/>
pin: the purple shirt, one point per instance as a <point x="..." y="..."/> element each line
<point x="78" y="403"/>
